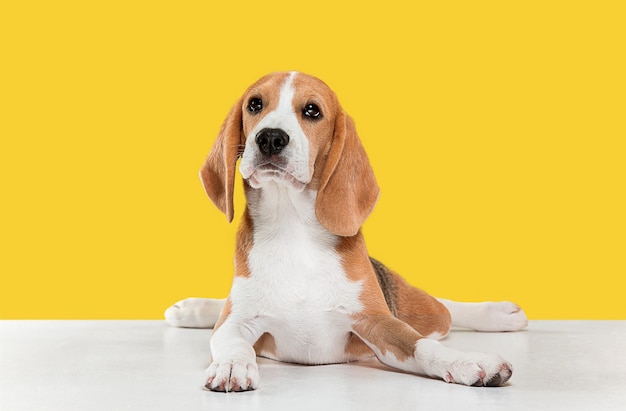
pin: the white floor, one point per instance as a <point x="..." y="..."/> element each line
<point x="147" y="365"/>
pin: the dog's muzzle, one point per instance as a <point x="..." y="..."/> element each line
<point x="272" y="161"/>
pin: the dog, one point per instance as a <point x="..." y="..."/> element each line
<point x="305" y="289"/>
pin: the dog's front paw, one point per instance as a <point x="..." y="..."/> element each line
<point x="478" y="370"/>
<point x="232" y="376"/>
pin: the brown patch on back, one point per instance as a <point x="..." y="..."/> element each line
<point x="387" y="285"/>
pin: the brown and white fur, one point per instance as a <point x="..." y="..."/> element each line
<point x="305" y="289"/>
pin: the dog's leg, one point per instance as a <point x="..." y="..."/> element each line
<point x="486" y="316"/>
<point x="194" y="312"/>
<point x="398" y="345"/>
<point x="234" y="366"/>
<point x="420" y="310"/>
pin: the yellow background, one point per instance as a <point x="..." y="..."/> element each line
<point x="496" y="130"/>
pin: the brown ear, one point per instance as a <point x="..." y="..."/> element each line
<point x="218" y="171"/>
<point x="348" y="190"/>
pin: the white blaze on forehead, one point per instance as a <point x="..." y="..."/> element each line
<point x="285" y="103"/>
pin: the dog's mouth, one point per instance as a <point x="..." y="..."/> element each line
<point x="265" y="172"/>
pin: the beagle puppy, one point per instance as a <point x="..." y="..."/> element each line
<point x="305" y="289"/>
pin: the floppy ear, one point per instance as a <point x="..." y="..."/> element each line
<point x="348" y="190"/>
<point x="218" y="171"/>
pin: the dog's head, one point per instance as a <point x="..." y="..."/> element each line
<point x="289" y="129"/>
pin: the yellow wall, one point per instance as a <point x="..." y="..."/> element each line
<point x="496" y="130"/>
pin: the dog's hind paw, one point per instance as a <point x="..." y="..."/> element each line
<point x="502" y="316"/>
<point x="460" y="367"/>
<point x="194" y="312"/>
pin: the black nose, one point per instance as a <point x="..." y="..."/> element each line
<point x="271" y="140"/>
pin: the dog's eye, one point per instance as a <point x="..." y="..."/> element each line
<point x="255" y="105"/>
<point x="312" y="111"/>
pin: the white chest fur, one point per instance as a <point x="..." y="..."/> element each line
<point x="297" y="290"/>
